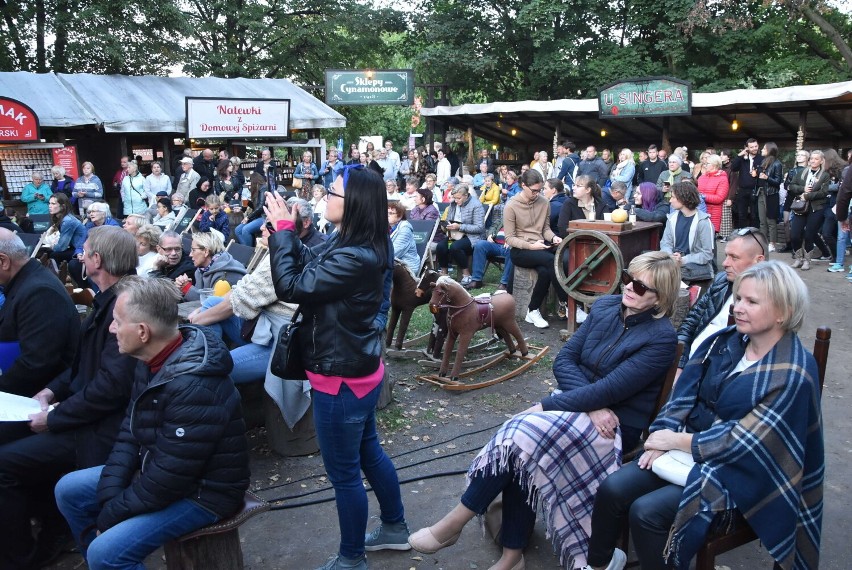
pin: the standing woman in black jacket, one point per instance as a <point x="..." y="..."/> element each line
<point x="339" y="288"/>
<point x="768" y="185"/>
<point x="811" y="185"/>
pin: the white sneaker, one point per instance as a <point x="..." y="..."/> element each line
<point x="771" y="248"/>
<point x="535" y="318"/>
<point x="618" y="562"/>
<point x="580" y="316"/>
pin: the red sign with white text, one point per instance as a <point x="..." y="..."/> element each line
<point x="18" y="123"/>
<point x="67" y="158"/>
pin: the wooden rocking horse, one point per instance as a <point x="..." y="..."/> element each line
<point x="407" y="294"/>
<point x="465" y="316"/>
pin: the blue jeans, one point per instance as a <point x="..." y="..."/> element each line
<point x="125" y="545"/>
<point x="482" y="250"/>
<point x="229" y="329"/>
<point x="250" y="362"/>
<point x="245" y="232"/>
<point x="346" y="432"/>
<point x="842" y="242"/>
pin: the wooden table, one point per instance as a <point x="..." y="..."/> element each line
<point x="596" y="253"/>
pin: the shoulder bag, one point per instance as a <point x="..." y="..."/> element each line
<point x="799" y="207"/>
<point x="673" y="466"/>
<point x="286" y="360"/>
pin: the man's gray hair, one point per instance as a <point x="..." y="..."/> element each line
<point x="170" y="234"/>
<point x="116" y="247"/>
<point x="153" y="301"/>
<point x="306" y="211"/>
<point x="14" y="248"/>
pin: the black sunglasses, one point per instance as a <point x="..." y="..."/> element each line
<point x="638" y="287"/>
<point x="749" y="232"/>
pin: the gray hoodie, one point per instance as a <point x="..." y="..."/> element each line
<point x="223" y="267"/>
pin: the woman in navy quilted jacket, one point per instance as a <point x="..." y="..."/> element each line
<point x="557" y="453"/>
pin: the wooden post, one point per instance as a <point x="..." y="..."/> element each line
<point x="167" y="156"/>
<point x="470" y="153"/>
<point x="803" y="130"/>
<point x="665" y="142"/>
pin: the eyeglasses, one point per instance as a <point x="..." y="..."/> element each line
<point x="534" y="190"/>
<point x="345" y="173"/>
<point x="171" y="249"/>
<point x="197" y="249"/>
<point x="333" y="193"/>
<point x="749" y="232"/>
<point x="638" y="287"/>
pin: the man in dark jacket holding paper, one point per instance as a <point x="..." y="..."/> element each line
<point x="181" y="458"/>
<point x="39" y="327"/>
<point x="81" y="431"/>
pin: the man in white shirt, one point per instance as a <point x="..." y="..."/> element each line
<point x="187" y="179"/>
<point x="745" y="247"/>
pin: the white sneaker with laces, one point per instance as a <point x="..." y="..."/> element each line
<point x="618" y="562"/>
<point x="535" y="318"/>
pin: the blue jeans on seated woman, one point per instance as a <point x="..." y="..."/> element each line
<point x="250" y="362"/>
<point x="125" y="545"/>
<point x="229" y="329"/>
<point x="349" y="444"/>
<point x="245" y="233"/>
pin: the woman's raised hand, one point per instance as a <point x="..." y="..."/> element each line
<point x="276" y="209"/>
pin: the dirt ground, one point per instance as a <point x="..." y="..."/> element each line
<point x="431" y="433"/>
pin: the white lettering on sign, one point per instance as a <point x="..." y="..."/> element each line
<point x="13" y="114"/>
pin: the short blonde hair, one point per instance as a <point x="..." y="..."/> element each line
<point x="209" y="241"/>
<point x="150" y="234"/>
<point x="715" y="160"/>
<point x="784" y="289"/>
<point x="664" y="274"/>
<point x="92" y="166"/>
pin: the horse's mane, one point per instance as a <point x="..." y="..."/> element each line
<point x="444" y="280"/>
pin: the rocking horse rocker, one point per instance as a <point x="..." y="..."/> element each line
<point x="465" y="316"/>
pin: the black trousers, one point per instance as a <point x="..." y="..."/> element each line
<point x="745" y="209"/>
<point x="805" y="230"/>
<point x="457" y="251"/>
<point x="29" y="469"/>
<point x="542" y="261"/>
<point x="648" y="502"/>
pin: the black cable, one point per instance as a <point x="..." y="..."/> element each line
<point x="315" y="491"/>
<point x="393" y="457"/>
<point x="369" y="490"/>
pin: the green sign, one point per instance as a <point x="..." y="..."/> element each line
<point x="368" y="87"/>
<point x="644" y="96"/>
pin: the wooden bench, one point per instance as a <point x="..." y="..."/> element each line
<point x="216" y="546"/>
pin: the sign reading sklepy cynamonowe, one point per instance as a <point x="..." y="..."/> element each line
<point x="18" y="123"/>
<point x="217" y="118"/>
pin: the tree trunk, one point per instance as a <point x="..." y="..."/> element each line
<point x="830" y="32"/>
<point x="41" y="59"/>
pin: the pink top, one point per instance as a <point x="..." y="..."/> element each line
<point x="359" y="386"/>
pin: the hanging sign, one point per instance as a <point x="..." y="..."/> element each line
<point x="66" y="157"/>
<point x="369" y="87"/>
<point x="18" y="123"/>
<point x="645" y="96"/>
<point x="220" y="118"/>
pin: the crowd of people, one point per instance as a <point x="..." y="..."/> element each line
<point x="148" y="442"/>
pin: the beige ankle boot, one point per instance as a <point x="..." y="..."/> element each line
<point x="798" y="258"/>
<point x="806" y="263"/>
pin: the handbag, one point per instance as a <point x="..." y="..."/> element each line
<point x="696" y="272"/>
<point x="673" y="466"/>
<point x="247" y="330"/>
<point x="297" y="183"/>
<point x="286" y="360"/>
<point x="799" y="207"/>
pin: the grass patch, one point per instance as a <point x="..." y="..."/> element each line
<point x="391" y="419"/>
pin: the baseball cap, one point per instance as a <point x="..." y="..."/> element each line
<point x="186" y="160"/>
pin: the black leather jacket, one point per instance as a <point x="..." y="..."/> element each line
<point x="339" y="290"/>
<point x="707" y="307"/>
<point x="774" y="176"/>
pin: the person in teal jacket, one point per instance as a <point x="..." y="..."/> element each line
<point x="36" y="194"/>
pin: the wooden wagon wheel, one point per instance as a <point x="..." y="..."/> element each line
<point x="573" y="283"/>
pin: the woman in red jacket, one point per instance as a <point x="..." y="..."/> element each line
<point x="713" y="186"/>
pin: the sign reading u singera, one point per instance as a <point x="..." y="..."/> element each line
<point x="218" y="118"/>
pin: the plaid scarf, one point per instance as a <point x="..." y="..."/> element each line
<point x="562" y="460"/>
<point x="763" y="455"/>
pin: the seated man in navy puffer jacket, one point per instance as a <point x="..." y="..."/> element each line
<point x="181" y="458"/>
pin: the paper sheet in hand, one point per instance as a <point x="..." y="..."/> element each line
<point x="14" y="408"/>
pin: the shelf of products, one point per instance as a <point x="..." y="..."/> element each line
<point x="18" y="165"/>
